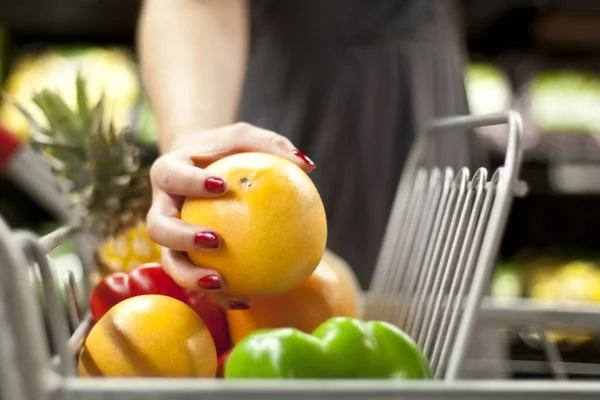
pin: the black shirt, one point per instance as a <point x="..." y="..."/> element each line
<point x="350" y="82"/>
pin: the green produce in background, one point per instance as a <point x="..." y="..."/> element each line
<point x="341" y="347"/>
<point x="508" y="282"/>
<point x="566" y="102"/>
<point x="488" y="89"/>
<point x="146" y="125"/>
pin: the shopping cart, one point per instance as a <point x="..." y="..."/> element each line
<point x="439" y="249"/>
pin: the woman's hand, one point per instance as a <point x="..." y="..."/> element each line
<point x="179" y="174"/>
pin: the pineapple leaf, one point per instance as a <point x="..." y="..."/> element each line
<point x="83" y="104"/>
<point x="62" y="120"/>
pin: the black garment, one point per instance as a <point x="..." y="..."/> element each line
<point x="350" y="82"/>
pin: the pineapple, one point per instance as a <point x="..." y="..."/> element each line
<point x="99" y="169"/>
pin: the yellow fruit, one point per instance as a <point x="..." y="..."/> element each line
<point x="331" y="291"/>
<point x="149" y="335"/>
<point x="271" y="222"/>
<point x="128" y="250"/>
<point x="574" y="283"/>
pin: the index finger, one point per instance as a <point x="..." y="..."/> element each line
<point x="242" y="137"/>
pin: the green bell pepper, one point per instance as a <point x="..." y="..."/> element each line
<point x="339" y="348"/>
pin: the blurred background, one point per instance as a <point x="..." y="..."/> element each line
<point x="541" y="58"/>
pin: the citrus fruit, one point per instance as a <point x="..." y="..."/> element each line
<point x="271" y="222"/>
<point x="149" y="335"/>
<point x="331" y="291"/>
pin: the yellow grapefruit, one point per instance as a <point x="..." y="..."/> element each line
<point x="149" y="336"/>
<point x="271" y="222"/>
<point x="331" y="291"/>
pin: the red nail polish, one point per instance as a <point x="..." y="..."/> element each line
<point x="239" y="306"/>
<point x="304" y="158"/>
<point x="207" y="239"/>
<point x="214" y="185"/>
<point x="210" y="282"/>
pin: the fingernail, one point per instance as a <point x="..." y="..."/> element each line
<point x="207" y="239"/>
<point x="304" y="157"/>
<point x="210" y="282"/>
<point x="214" y="185"/>
<point x="239" y="306"/>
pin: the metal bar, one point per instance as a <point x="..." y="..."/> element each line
<point x="29" y="172"/>
<point x="461" y="279"/>
<point x="9" y="378"/>
<point x="531" y="367"/>
<point x="496" y="224"/>
<point x="521" y="313"/>
<point x="55" y="238"/>
<point x="59" y="327"/>
<point x="24" y="317"/>
<point x="184" y="389"/>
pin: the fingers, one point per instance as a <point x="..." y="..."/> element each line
<point x="177" y="174"/>
<point x="243" y="137"/>
<point x="230" y="303"/>
<point x="194" y="278"/>
<point x="165" y="228"/>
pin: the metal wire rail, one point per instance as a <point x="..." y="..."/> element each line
<point x="431" y="277"/>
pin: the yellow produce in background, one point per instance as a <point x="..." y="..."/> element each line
<point x="108" y="71"/>
<point x="573" y="283"/>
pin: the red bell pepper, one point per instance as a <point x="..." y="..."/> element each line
<point x="221" y="363"/>
<point x="152" y="279"/>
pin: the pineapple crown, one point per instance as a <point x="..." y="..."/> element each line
<point x="98" y="167"/>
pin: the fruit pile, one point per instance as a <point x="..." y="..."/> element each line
<point x="147" y="325"/>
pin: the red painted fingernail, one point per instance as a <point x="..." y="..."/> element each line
<point x="239" y="306"/>
<point x="214" y="185"/>
<point x="207" y="239"/>
<point x="304" y="157"/>
<point x="210" y="282"/>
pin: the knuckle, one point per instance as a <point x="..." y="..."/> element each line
<point x="279" y="141"/>
<point x="167" y="178"/>
<point x="155" y="169"/>
<point x="152" y="225"/>
<point x="167" y="261"/>
<point x="240" y="130"/>
<point x="160" y="170"/>
<point x="242" y="126"/>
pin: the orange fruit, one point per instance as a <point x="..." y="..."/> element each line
<point x="149" y="336"/>
<point x="271" y="222"/>
<point x="331" y="291"/>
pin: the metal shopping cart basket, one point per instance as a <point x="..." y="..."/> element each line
<point x="440" y="246"/>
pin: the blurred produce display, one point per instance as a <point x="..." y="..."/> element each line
<point x="550" y="278"/>
<point x="488" y="88"/>
<point x="110" y="72"/>
<point x="146" y="125"/>
<point x="566" y="101"/>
